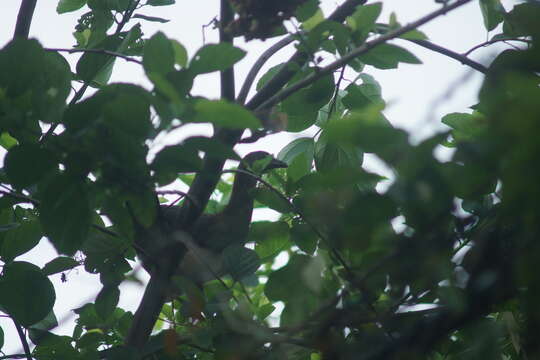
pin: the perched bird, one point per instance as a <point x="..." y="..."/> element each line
<point x="209" y="235"/>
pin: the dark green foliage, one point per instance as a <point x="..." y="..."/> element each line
<point x="342" y="270"/>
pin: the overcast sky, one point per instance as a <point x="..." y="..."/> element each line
<point x="417" y="95"/>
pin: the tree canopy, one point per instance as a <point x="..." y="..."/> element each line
<point x="440" y="264"/>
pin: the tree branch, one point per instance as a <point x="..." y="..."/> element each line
<point x="452" y="54"/>
<point x="250" y="78"/>
<point x="24" y="19"/>
<point x="299" y="59"/>
<point x="226" y="76"/>
<point x="23" y="339"/>
<point x="97" y="51"/>
<point x="285" y="93"/>
<point x="493" y="41"/>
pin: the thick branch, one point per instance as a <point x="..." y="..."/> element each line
<point x="227" y="76"/>
<point x="24" y="18"/>
<point x="285" y="93"/>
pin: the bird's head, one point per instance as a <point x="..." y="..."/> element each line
<point x="261" y="162"/>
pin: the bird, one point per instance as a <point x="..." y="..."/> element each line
<point x="207" y="238"/>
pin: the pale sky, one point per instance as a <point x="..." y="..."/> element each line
<point x="417" y="95"/>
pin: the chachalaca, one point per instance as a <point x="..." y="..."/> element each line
<point x="209" y="235"/>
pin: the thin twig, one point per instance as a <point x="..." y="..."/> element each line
<point x="452" y="54"/>
<point x="493" y="41"/>
<point x="23" y="339"/>
<point x="22" y="197"/>
<point x="308" y="80"/>
<point x="97" y="51"/>
<point x="24" y="18"/>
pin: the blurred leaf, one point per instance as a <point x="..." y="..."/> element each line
<point x="270" y="238"/>
<point x="160" y="2"/>
<point x="303" y="236"/>
<point x="330" y="156"/>
<point x="20" y="283"/>
<point x="492" y="13"/>
<point x="20" y="240"/>
<point x="303" y="106"/>
<point x="150" y="18"/>
<point x="65" y="6"/>
<point x="175" y="159"/>
<point x="387" y="56"/>
<point x="298" y="154"/>
<point x="225" y="114"/>
<point x="27" y="164"/>
<point x="107" y="300"/>
<point x="158" y="54"/>
<point x="180" y="53"/>
<point x="65" y="213"/>
<point x="215" y="57"/>
<point x="269" y="198"/>
<point x="59" y="264"/>
<point x="240" y="261"/>
<point x="363" y="19"/>
<point x="211" y="147"/>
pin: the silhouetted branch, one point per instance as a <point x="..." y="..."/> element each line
<point x="452" y="54"/>
<point x="24" y="18"/>
<point x="97" y="51"/>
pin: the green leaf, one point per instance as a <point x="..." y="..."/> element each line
<point x="303" y="236"/>
<point x="106" y="301"/>
<point x="180" y="53"/>
<point x="150" y="18"/>
<point x="59" y="264"/>
<point x="269" y="198"/>
<point x="387" y="56"/>
<point x="158" y="54"/>
<point x="264" y="311"/>
<point x="7" y="141"/>
<point x="19" y="285"/>
<point x="240" y="261"/>
<point x="27" y="164"/>
<point x="20" y="240"/>
<point x="225" y="114"/>
<point x="302" y="108"/>
<point x="288" y="282"/>
<point x="65" y="213"/>
<point x="466" y="127"/>
<point x="98" y="67"/>
<point x="330" y="156"/>
<point x="363" y="19"/>
<point x="65" y="6"/>
<point x="160" y="2"/>
<point x="215" y="57"/>
<point x="298" y="154"/>
<point x="270" y="238"/>
<point x="172" y="160"/>
<point x="307" y="10"/>
<point x="492" y="13"/>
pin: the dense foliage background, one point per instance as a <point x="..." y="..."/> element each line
<point x="77" y="172"/>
